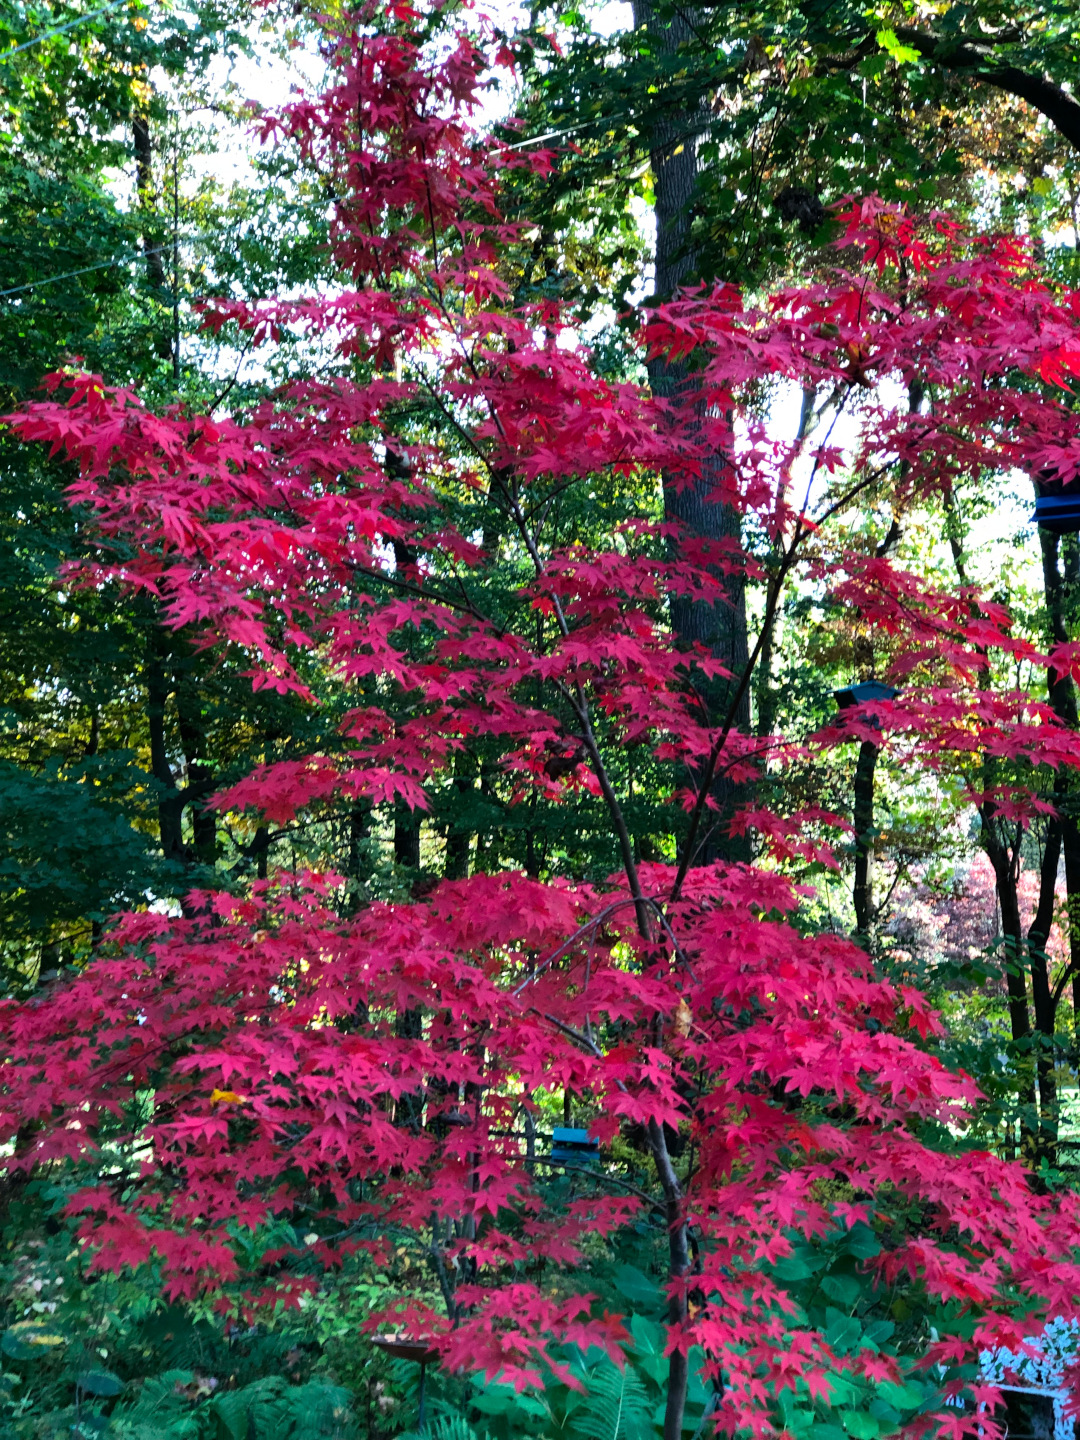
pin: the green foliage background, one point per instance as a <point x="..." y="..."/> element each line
<point x="820" y="95"/>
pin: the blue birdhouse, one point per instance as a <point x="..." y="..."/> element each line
<point x="864" y="693"/>
<point x="1060" y="514"/>
<point x="573" y="1147"/>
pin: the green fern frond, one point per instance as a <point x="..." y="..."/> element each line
<point x="269" y="1409"/>
<point x="449" y="1427"/>
<point x="617" y="1407"/>
<point x="320" y="1411"/>
<point x="160" y="1412"/>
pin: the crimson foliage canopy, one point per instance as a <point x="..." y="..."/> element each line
<point x="381" y="1070"/>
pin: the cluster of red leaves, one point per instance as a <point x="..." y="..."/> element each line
<point x="274" y="1035"/>
<point x="266" y="1029"/>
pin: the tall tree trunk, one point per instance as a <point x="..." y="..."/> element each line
<point x="1061" y="588"/>
<point x="200" y="774"/>
<point x="1062" y="591"/>
<point x="720" y="628"/>
<point x="406" y="836"/>
<point x="458" y="846"/>
<point x="358" y="864"/>
<point x="1044" y="1003"/>
<point x="768" y="697"/>
<point x="1070" y="836"/>
<point x="170" y="798"/>
<point x="260" y="847"/>
<point x="168" y="666"/>
<point x="1070" y="828"/>
<point x="144" y="190"/>
<point x="458" y="836"/>
<point x="1061" y="692"/>
<point x="863" y="819"/>
<point x="678" y="1270"/>
<point x="1005" y="860"/>
<point x="1005" y="883"/>
<point x="151" y="236"/>
<point x="406" y="821"/>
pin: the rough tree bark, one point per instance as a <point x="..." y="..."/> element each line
<point x="147" y="204"/>
<point x="863" y="820"/>
<point x="975" y="56"/>
<point x="1044" y="1001"/>
<point x="1004" y="858"/>
<point x="1063" y="596"/>
<point x="162" y="681"/>
<point x="1002" y="849"/>
<point x="1061" y="588"/>
<point x="720" y="628"/>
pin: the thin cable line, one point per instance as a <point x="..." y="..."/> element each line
<point x="570" y="130"/>
<point x="690" y="84"/>
<point x="6" y="55"/>
<point x="589" y="125"/>
<point x="86" y="269"/>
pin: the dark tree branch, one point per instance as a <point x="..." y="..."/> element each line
<point x="977" y="57"/>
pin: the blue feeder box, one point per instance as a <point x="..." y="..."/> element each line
<point x="573" y="1147"/>
<point x="1059" y="514"/>
<point x="864" y="694"/>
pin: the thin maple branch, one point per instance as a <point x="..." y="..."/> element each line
<point x="464" y="606"/>
<point x="597" y="1175"/>
<point x="870" y="478"/>
<point x="442" y="1274"/>
<point x="431" y="215"/>
<point x="775" y="590"/>
<point x="455" y="424"/>
<point x="772" y="601"/>
<point x="1066" y="975"/>
<point x="597" y="920"/>
<point x="230" y="384"/>
<point x="578" y="701"/>
<point x="820" y="452"/>
<point x="580" y="706"/>
<point x="680" y="954"/>
<point x="579" y="1036"/>
<point x="626" y="843"/>
<point x="579" y="934"/>
<point x="669" y="1180"/>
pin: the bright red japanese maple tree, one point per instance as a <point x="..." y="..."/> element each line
<point x="677" y="999"/>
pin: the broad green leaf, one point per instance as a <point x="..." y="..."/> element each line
<point x="861" y="1424"/>
<point x="902" y="54"/>
<point x="844" y="1289"/>
<point x="905" y="1396"/>
<point x="862" y="1242"/>
<point x="634" y="1285"/>
<point x="18" y="1349"/>
<point x="843" y="1332"/>
<point x="99" y="1382"/>
<point x="649" y="1339"/>
<point x="878" y="1332"/>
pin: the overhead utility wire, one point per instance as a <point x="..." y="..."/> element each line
<point x="688" y="84"/>
<point x="570" y="130"/>
<point x="6" y="55"/>
<point x="85" y="270"/>
<point x="159" y="249"/>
